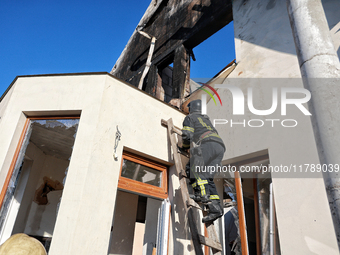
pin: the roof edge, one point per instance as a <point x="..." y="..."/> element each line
<point x="42" y="75"/>
<point x="84" y="73"/>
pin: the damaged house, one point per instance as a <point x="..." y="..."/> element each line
<point x="86" y="166"/>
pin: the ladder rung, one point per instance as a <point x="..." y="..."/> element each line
<point x="173" y="129"/>
<point x="183" y="173"/>
<point x="211" y="243"/>
<point x="192" y="203"/>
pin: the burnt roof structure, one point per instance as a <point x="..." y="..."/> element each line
<point x="177" y="27"/>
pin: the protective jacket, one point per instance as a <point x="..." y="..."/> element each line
<point x="197" y="127"/>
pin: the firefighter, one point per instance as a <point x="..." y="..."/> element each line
<point x="197" y="128"/>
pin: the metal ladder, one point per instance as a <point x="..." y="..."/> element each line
<point x="212" y="240"/>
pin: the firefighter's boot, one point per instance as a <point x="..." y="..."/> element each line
<point x="215" y="211"/>
<point x="200" y="199"/>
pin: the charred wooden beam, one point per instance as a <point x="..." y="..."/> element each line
<point x="151" y="84"/>
<point x="176" y="25"/>
<point x="181" y="64"/>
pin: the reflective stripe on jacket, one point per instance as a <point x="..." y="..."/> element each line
<point x="198" y="127"/>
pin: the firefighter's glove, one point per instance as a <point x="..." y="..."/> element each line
<point x="182" y="150"/>
<point x="196" y="151"/>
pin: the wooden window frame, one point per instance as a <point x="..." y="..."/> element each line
<point x="240" y="205"/>
<point x="144" y="188"/>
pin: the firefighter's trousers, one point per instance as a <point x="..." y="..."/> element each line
<point x="201" y="176"/>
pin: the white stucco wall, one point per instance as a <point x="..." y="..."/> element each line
<point x="264" y="44"/>
<point x="331" y="8"/>
<point x="263" y="38"/>
<point x="4" y="103"/>
<point x="88" y="201"/>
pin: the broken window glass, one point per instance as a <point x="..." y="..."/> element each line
<point x="141" y="173"/>
<point x="14" y="179"/>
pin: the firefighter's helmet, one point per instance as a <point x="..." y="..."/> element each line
<point x="195" y="106"/>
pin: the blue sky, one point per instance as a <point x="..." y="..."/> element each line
<point x="45" y="37"/>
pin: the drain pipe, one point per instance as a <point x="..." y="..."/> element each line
<point x="320" y="71"/>
<point x="271" y="220"/>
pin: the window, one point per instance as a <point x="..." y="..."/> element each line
<point x="141" y="207"/>
<point x="144" y="176"/>
<point x="250" y="217"/>
<point x="32" y="192"/>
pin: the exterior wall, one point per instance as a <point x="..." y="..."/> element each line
<point x="4" y="103"/>
<point x="263" y="38"/>
<point x="264" y="49"/>
<point x="86" y="211"/>
<point x="264" y="43"/>
<point x="331" y="9"/>
<point x="56" y="95"/>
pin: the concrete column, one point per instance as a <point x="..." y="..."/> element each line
<point x="320" y="70"/>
